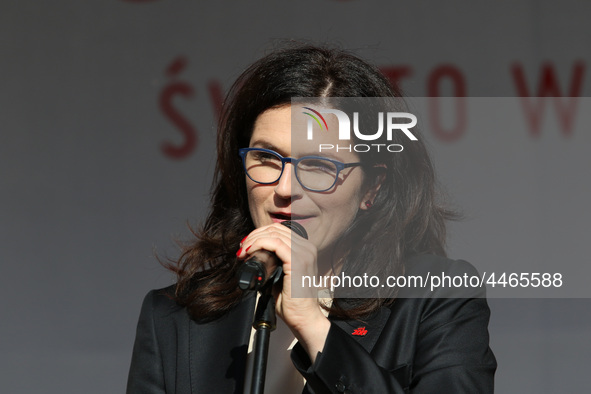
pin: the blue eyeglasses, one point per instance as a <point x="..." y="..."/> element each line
<point x="314" y="173"/>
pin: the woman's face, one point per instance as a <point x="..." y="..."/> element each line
<point x="324" y="215"/>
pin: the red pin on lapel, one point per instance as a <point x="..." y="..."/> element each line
<point x="361" y="331"/>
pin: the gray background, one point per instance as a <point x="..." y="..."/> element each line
<point x="88" y="196"/>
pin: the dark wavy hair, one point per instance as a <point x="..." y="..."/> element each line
<point x="404" y="220"/>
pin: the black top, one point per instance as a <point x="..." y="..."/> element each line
<point x="416" y="345"/>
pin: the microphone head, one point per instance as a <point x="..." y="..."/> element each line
<point x="296" y="228"/>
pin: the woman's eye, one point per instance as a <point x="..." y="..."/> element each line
<point x="265" y="156"/>
<point x="318" y="165"/>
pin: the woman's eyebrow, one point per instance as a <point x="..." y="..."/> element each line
<point x="267" y="145"/>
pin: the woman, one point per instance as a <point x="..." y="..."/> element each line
<point x="379" y="215"/>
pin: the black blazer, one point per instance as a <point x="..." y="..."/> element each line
<point x="417" y="345"/>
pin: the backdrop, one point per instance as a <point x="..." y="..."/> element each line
<point x="107" y="116"/>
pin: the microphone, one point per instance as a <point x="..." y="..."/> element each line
<point x="252" y="274"/>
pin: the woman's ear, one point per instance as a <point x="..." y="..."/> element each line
<point x="379" y="175"/>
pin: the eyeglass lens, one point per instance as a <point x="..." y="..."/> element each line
<point x="313" y="173"/>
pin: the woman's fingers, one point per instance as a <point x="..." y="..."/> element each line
<point x="276" y="239"/>
<point x="267" y="242"/>
<point x="298" y="309"/>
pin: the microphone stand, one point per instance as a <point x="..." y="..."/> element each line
<point x="265" y="321"/>
<point x="251" y="276"/>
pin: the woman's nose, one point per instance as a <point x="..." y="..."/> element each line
<point x="288" y="185"/>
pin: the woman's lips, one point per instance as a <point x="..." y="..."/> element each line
<point x="281" y="217"/>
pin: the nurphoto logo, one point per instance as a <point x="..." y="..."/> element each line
<point x="392" y="125"/>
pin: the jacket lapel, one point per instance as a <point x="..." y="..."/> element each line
<point x="367" y="331"/>
<point x="219" y="365"/>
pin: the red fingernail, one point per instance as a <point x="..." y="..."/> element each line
<point x="243" y="239"/>
<point x="238" y="253"/>
<point x="248" y="248"/>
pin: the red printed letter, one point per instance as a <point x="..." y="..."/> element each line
<point x="548" y="87"/>
<point x="186" y="129"/>
<point x="459" y="86"/>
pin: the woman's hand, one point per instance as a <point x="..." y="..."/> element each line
<point x="302" y="314"/>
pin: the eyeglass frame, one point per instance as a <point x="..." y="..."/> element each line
<point x="294" y="162"/>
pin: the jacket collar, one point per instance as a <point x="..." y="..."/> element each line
<point x="365" y="331"/>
